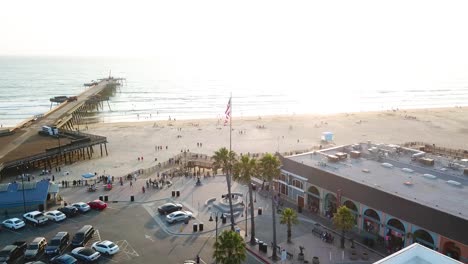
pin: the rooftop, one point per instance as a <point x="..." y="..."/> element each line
<point x="11" y="194"/>
<point x="411" y="174"/>
<point x="417" y="254"/>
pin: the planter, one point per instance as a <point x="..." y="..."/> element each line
<point x="353" y="250"/>
<point x="315" y="260"/>
<point x="365" y="256"/>
<point x="353" y="256"/>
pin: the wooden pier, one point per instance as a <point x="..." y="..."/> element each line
<point x="24" y="149"/>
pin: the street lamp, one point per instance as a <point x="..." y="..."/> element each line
<point x="216" y="220"/>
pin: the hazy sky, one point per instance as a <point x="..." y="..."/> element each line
<point x="424" y="43"/>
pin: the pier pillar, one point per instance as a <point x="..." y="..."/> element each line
<point x="100" y="145"/>
<point x="105" y="146"/>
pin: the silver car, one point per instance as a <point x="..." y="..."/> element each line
<point x="178" y="216"/>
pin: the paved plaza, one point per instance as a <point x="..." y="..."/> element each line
<point x="143" y="234"/>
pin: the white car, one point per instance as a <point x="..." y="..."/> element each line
<point x="36" y="218"/>
<point x="55" y="215"/>
<point x="82" y="207"/>
<point x="178" y="216"/>
<point x="105" y="247"/>
<point x="13" y="223"/>
<point x="85" y="254"/>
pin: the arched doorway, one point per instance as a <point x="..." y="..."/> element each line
<point x="313" y="199"/>
<point x="424" y="238"/>
<point x="371" y="221"/>
<point x="352" y="206"/>
<point x="330" y="205"/>
<point x="395" y="235"/>
<point x="450" y="249"/>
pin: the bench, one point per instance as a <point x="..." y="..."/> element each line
<point x="207" y="202"/>
<point x="235" y="214"/>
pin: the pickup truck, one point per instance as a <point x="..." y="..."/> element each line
<point x="10" y="253"/>
<point x="35" y="217"/>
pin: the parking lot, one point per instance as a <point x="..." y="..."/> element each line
<point x="139" y="236"/>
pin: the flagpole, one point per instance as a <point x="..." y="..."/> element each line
<point x="230" y="163"/>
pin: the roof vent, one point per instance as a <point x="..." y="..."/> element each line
<point x="429" y="176"/>
<point x="387" y="165"/>
<point x="454" y="183"/>
<point x="366" y="170"/>
<point x="407" y="170"/>
<point x="333" y="158"/>
<point x="341" y="155"/>
<point x="355" y="154"/>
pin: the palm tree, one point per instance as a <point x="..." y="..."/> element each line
<point x="289" y="217"/>
<point x="270" y="169"/>
<point x="223" y="159"/>
<point x="244" y="169"/>
<point x="230" y="248"/>
<point x="344" y="220"/>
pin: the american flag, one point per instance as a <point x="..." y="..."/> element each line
<point x="228" y="112"/>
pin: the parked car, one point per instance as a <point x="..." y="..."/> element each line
<point x="63" y="259"/>
<point x="36" y="248"/>
<point x="105" y="247"/>
<point x="82" y="236"/>
<point x="178" y="216"/>
<point x="85" y="254"/>
<point x="97" y="204"/>
<point x="10" y="253"/>
<point x="13" y="223"/>
<point x="58" y="244"/>
<point x="35" y="217"/>
<point x="82" y="207"/>
<point x="35" y="262"/>
<point x="55" y="215"/>
<point x="68" y="210"/>
<point x="168" y="208"/>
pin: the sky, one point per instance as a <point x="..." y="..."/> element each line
<point x="418" y="43"/>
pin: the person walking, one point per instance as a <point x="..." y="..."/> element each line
<point x="143" y="189"/>
<point x="131" y="184"/>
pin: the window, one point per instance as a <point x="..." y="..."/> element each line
<point x="297" y="183"/>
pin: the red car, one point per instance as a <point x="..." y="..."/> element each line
<point x="97" y="204"/>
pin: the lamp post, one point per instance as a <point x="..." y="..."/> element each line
<point x="216" y="220"/>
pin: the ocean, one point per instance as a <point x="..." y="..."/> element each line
<point x="155" y="92"/>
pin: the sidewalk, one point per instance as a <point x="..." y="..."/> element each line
<point x="377" y="249"/>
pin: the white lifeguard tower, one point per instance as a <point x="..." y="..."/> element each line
<point x="327" y="137"/>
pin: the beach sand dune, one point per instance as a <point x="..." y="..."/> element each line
<point x="127" y="141"/>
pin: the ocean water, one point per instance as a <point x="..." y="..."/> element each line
<point x="155" y="92"/>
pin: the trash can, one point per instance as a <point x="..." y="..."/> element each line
<point x="177" y="193"/>
<point x="100" y="197"/>
<point x="195" y="227"/>
<point x="265" y="248"/>
<point x="299" y="209"/>
<point x="132" y="198"/>
<point x="224" y="219"/>
<point x="260" y="210"/>
<point x="106" y="198"/>
<point x="260" y="246"/>
<point x="200" y="227"/>
<point x="173" y="193"/>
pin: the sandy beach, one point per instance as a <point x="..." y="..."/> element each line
<point x="446" y="127"/>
